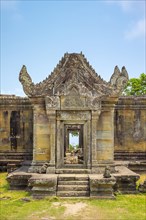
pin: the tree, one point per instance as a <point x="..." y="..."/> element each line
<point x="136" y="86"/>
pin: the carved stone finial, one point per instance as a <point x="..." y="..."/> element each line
<point x="25" y="80"/>
<point x="119" y="79"/>
<point x="107" y="172"/>
<point x="43" y="169"/>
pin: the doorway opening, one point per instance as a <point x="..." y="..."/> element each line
<point x="73" y="149"/>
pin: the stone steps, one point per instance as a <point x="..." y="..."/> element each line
<point x="73" y="188"/>
<point x="73" y="177"/>
<point x="73" y="171"/>
<point x="73" y="193"/>
<point x="73" y="185"/>
<point x="74" y="182"/>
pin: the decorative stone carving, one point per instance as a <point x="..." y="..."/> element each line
<point x="119" y="79"/>
<point x="74" y="68"/>
<point x="75" y="115"/>
<point x="52" y="102"/>
<point x="96" y="103"/>
<point x="26" y="81"/>
<point x="73" y="101"/>
<point x="107" y="172"/>
<point x="43" y="169"/>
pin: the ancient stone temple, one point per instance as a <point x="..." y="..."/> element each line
<point x="74" y="99"/>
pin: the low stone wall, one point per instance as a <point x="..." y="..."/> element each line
<point x="18" y="180"/>
<point x="125" y="180"/>
<point x="43" y="185"/>
<point x="100" y="187"/>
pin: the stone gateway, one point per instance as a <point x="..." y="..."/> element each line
<point x="74" y="100"/>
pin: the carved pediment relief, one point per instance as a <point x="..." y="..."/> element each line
<point x="75" y="73"/>
<point x="73" y="90"/>
<point x="72" y="102"/>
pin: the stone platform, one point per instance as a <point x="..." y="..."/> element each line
<point x="80" y="184"/>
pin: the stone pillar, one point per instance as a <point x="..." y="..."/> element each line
<point x="52" y="134"/>
<point x="41" y="138"/>
<point x="105" y="138"/>
<point x="88" y="141"/>
<point x="95" y="117"/>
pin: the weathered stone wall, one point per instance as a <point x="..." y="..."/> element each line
<point x="16" y="128"/>
<point x="130" y="128"/>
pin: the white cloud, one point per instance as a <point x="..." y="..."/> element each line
<point x="138" y="30"/>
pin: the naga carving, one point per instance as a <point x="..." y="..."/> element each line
<point x="26" y="81"/>
<point x="74" y="71"/>
<point x="119" y="79"/>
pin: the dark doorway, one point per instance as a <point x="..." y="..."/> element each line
<point x="14" y="129"/>
<point x="73" y="149"/>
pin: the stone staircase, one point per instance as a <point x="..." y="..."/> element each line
<point x="73" y="185"/>
<point x="72" y="170"/>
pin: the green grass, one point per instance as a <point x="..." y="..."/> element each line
<point x="12" y="207"/>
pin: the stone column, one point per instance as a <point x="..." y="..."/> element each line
<point x="88" y="141"/>
<point x="104" y="154"/>
<point x="95" y="117"/>
<point x="105" y="138"/>
<point x="41" y="151"/>
<point x="52" y="103"/>
<point x="52" y="133"/>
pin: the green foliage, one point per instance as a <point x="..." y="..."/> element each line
<point x="136" y="86"/>
<point x="74" y="133"/>
<point x="72" y="148"/>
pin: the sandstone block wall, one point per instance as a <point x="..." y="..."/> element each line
<point x="16" y="128"/>
<point x="130" y="128"/>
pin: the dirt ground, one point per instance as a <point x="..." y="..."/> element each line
<point x="73" y="211"/>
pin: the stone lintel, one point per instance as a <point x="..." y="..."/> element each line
<point x="37" y="101"/>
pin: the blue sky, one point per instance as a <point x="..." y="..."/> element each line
<point x="38" y="33"/>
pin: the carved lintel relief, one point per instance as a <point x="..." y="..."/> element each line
<point x="52" y="102"/>
<point x="73" y="115"/>
<point x="76" y="102"/>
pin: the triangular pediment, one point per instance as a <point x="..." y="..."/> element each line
<point x="73" y="75"/>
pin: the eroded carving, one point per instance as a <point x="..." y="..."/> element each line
<point x="119" y="79"/>
<point x="52" y="102"/>
<point x="74" y="69"/>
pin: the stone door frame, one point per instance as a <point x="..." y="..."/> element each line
<point x="70" y="120"/>
<point x="69" y="128"/>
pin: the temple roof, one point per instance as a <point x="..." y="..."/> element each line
<point x="74" y="72"/>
